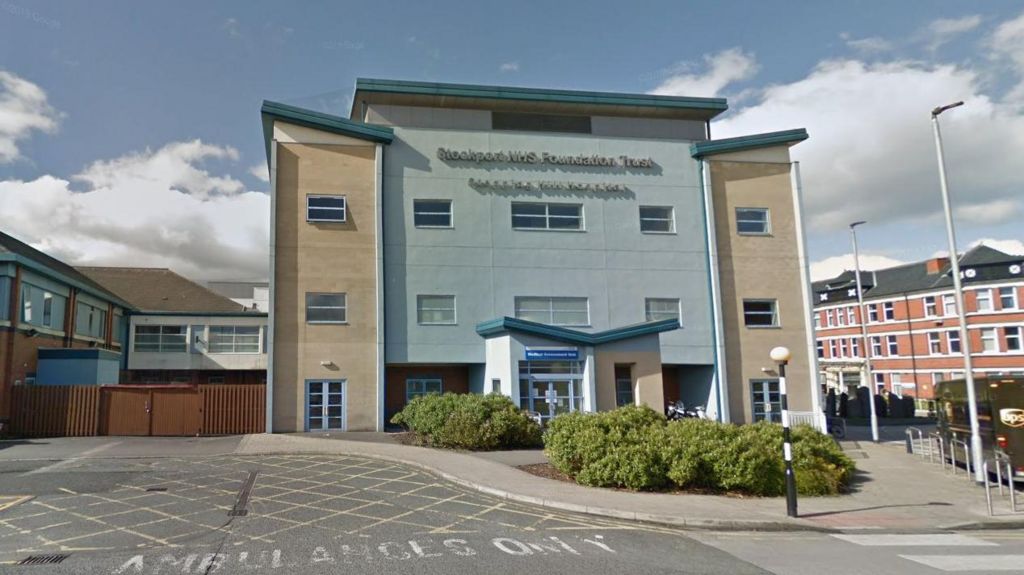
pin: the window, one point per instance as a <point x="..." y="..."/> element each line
<point x="325" y="208"/>
<point x="42" y="308"/>
<point x="753" y="221"/>
<point x="929" y="306"/>
<point x="833" y="348"/>
<point x="879" y="381"/>
<point x="953" y="340"/>
<point x="1008" y="297"/>
<point x="1012" y="335"/>
<point x="657" y="219"/>
<point x="888" y="311"/>
<point x="117" y="331"/>
<point x="894" y="347"/>
<point x="842" y="348"/>
<point x="215" y="379"/>
<point x="530" y="216"/>
<point x="840" y="317"/>
<point x="495" y="386"/>
<point x="829" y="320"/>
<point x="817" y="321"/>
<point x="766" y="402"/>
<point x="435" y="309"/>
<point x="326" y="307"/>
<point x="821" y="349"/>
<point x="855" y="347"/>
<point x="657" y="309"/>
<point x="5" y="296"/>
<point x="234" y="339"/>
<point x="419" y="387"/>
<point x="876" y="346"/>
<point x="873" y="312"/>
<point x="90" y="320"/>
<point x="623" y="385"/>
<point x="989" y="344"/>
<point x="432" y="213"/>
<point x="851" y="315"/>
<point x="161" y="338"/>
<point x="984" y="297"/>
<point x="935" y="343"/>
<point x="567" y="311"/>
<point x="948" y="305"/>
<point x="760" y="313"/>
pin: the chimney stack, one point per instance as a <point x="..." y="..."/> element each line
<point x="936" y="265"/>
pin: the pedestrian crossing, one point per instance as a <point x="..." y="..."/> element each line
<point x="953" y="561"/>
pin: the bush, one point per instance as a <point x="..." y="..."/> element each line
<point x="635" y="447"/>
<point x="468" y="421"/>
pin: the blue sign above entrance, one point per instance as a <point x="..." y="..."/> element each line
<point x="549" y="354"/>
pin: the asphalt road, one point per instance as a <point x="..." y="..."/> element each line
<point x="314" y="514"/>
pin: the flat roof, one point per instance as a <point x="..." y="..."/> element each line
<point x="435" y="94"/>
<point x="276" y="111"/>
<point x="751" y="142"/>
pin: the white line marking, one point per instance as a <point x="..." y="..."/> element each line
<point x="970" y="562"/>
<point x="936" y="540"/>
<point x="66" y="462"/>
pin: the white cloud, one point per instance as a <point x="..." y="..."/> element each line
<point x="1012" y="247"/>
<point x="722" y="69"/>
<point x="942" y="30"/>
<point x="829" y="268"/>
<point x="260" y="172"/>
<point x="988" y="213"/>
<point x="867" y="46"/>
<point x="23" y="110"/>
<point x="509" y="67"/>
<point x="1007" y="44"/>
<point x="871" y="154"/>
<point x="233" y="28"/>
<point x="154" y="208"/>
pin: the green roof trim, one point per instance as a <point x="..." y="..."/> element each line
<point x="717" y="105"/>
<point x="271" y="111"/>
<point x="752" y="142"/>
<point x="64" y="278"/>
<point x="503" y="324"/>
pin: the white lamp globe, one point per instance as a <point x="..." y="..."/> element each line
<point x="780" y="354"/>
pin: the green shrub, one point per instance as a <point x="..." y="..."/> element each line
<point x="819" y="463"/>
<point x="691" y="448"/>
<point x="468" y="421"/>
<point x="752" y="461"/>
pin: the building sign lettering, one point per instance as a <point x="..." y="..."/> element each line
<point x="529" y="157"/>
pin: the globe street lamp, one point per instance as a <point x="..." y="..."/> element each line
<point x="958" y="292"/>
<point x="864" y="333"/>
<point x="781" y="355"/>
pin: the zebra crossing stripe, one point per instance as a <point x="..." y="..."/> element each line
<point x="915" y="540"/>
<point x="970" y="562"/>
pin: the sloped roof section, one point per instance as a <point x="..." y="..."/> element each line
<point x="161" y="290"/>
<point x="12" y="249"/>
<point x="271" y="111"/>
<point x="751" y="142"/>
<point x="501" y="325"/>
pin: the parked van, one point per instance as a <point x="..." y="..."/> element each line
<point x="1000" y="416"/>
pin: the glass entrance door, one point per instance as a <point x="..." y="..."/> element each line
<point x="766" y="401"/>
<point x="549" y="397"/>
<point x="325" y="406"/>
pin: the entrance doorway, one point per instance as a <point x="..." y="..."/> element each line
<point x="766" y="400"/>
<point x="550" y="388"/>
<point x="325" y="406"/>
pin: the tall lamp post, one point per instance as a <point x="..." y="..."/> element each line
<point x="780" y="355"/>
<point x="958" y="290"/>
<point x="864" y="332"/>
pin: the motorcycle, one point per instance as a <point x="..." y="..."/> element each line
<point x="678" y="410"/>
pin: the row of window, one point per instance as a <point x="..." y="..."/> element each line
<point x="533" y="215"/>
<point x="984" y="302"/>
<point x="174" y="339"/>
<point x="990" y="343"/>
<point x="41" y="307"/>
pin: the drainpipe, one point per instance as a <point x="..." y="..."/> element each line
<point x="913" y="352"/>
<point x="714" y="280"/>
<point x="269" y="390"/>
<point x="379" y="246"/>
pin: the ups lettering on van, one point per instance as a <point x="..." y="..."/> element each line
<point x="1013" y="417"/>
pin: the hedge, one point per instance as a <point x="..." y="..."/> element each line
<point x="637" y="448"/>
<point x="468" y="421"/>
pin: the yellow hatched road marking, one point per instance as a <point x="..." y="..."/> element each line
<point x="6" y="502"/>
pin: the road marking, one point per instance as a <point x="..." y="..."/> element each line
<point x="67" y="462"/>
<point x="8" y="502"/>
<point x="935" y="540"/>
<point x="239" y="509"/>
<point x="970" y="562"/>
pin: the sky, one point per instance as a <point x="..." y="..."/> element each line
<point x="130" y="134"/>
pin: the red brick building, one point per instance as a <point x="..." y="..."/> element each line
<point x="913" y="330"/>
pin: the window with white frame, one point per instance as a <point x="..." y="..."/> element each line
<point x="432" y="213"/>
<point x="840" y="317"/>
<point x="90" y="320"/>
<point x="937" y="378"/>
<point x="953" y="340"/>
<point x="234" y="339"/>
<point x="326" y="307"/>
<point x="929" y="306"/>
<point x="421" y="386"/>
<point x="161" y="338"/>
<point x="984" y="299"/>
<point x="843" y="352"/>
<point x="833" y="348"/>
<point x="817" y="321"/>
<point x="829" y="319"/>
<point x="657" y="219"/>
<point x="1011" y="336"/>
<point x="935" y="343"/>
<point x="855" y="347"/>
<point x="888" y="312"/>
<point x="538" y="216"/>
<point x="41" y="307"/>
<point x="876" y="346"/>
<point x="564" y="311"/>
<point x="657" y="309"/>
<point x="435" y="309"/>
<point x="873" y="312"/>
<point x="989" y="342"/>
<point x="1008" y="297"/>
<point x="760" y="313"/>
<point x="753" y="221"/>
<point x="948" y="305"/>
<point x="879" y="381"/>
<point x="321" y="208"/>
<point x="851" y="315"/>
<point x="893" y="344"/>
<point x="821" y="349"/>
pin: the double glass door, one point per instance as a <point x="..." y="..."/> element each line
<point x="549" y="397"/>
<point x="766" y="401"/>
<point x="325" y="405"/>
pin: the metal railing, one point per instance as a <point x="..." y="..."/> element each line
<point x="935" y="439"/>
<point x="967" y="456"/>
<point x="915" y="438"/>
<point x="804" y="417"/>
<point x="1000" y="463"/>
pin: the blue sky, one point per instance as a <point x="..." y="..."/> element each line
<point x="127" y="90"/>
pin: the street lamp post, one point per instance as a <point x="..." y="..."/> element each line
<point x="958" y="291"/>
<point x="864" y="333"/>
<point x="780" y="355"/>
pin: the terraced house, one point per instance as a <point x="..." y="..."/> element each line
<point x="571" y="250"/>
